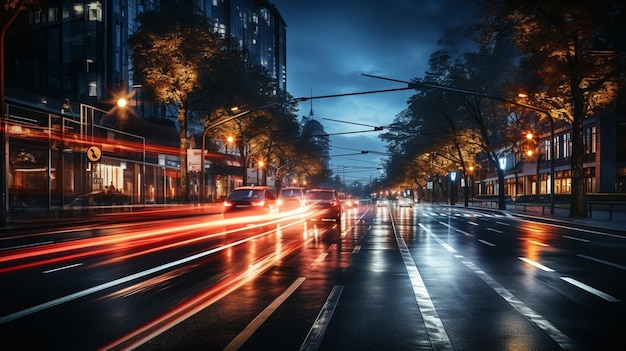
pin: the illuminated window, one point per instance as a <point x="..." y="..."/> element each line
<point x="567" y="145"/>
<point x="93" y="89"/>
<point x="547" y="150"/>
<point x="94" y="11"/>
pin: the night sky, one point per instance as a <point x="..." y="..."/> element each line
<point x="332" y="43"/>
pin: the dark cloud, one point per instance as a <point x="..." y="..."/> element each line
<point x="331" y="43"/>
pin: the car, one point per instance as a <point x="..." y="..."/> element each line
<point x="291" y="198"/>
<point x="382" y="202"/>
<point x="405" y="202"/>
<point x="250" y="201"/>
<point x="324" y="205"/>
<point x="349" y="201"/>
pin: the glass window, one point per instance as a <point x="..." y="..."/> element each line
<point x="547" y="150"/>
<point x="567" y="145"/>
<point x="557" y="146"/>
<point x="589" y="140"/>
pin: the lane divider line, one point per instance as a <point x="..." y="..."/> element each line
<point x="488" y="243"/>
<point x="590" y="289"/>
<point x="316" y="333"/>
<point x="536" y="264"/>
<point x="553" y="332"/>
<point x="245" y="334"/>
<point x="437" y="333"/>
<point x="615" y="265"/>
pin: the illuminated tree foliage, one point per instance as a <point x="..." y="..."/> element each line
<point x="453" y="127"/>
<point x="574" y="54"/>
<point x="170" y="53"/>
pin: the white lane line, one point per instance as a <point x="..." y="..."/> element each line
<point x="502" y="223"/>
<point x="536" y="264"/>
<point x="488" y="243"/>
<point x="357" y="249"/>
<point x="123" y="280"/>
<point x="575" y="238"/>
<point x="319" y="259"/>
<point x="537" y="243"/>
<point x="473" y="223"/>
<point x="495" y="230"/>
<point x="28" y="245"/>
<point x="434" y="326"/>
<point x="245" y="334"/>
<point x="616" y="236"/>
<point x="590" y="289"/>
<point x="616" y="265"/>
<point x="563" y="340"/>
<point x="62" y="268"/>
<point x="464" y="233"/>
<point x="316" y="333"/>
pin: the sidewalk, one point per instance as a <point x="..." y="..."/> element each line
<point x="599" y="220"/>
<point x="32" y="222"/>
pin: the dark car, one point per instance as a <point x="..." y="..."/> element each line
<point x="291" y="198"/>
<point x="324" y="205"/>
<point x="250" y="201"/>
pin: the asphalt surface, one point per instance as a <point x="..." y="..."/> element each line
<point x="599" y="219"/>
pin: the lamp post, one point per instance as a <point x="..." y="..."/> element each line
<point x="452" y="186"/>
<point x="228" y="119"/>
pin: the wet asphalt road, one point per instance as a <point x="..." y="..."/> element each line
<point x="423" y="278"/>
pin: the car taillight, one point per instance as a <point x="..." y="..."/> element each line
<point x="228" y="204"/>
<point x="258" y="203"/>
<point x="334" y="203"/>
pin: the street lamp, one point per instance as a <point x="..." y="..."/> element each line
<point x="259" y="173"/>
<point x="228" y="119"/>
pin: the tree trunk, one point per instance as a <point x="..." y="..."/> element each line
<point x="501" y="199"/>
<point x="578" y="204"/>
<point x="184" y="186"/>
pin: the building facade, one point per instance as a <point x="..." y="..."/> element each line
<point x="72" y="65"/>
<point x="604" y="160"/>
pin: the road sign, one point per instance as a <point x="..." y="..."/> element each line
<point x="94" y="154"/>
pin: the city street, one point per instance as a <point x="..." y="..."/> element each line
<point x="426" y="277"/>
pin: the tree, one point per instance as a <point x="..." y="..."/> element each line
<point x="574" y="52"/>
<point x="454" y="124"/>
<point x="170" y="52"/>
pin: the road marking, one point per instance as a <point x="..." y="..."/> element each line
<point x="563" y="340"/>
<point x="316" y="333"/>
<point x="437" y="334"/>
<point x="464" y="233"/>
<point x="537" y="243"/>
<point x="495" y="230"/>
<point x="486" y="242"/>
<point x="619" y="266"/>
<point x="574" y="238"/>
<point x="245" y="334"/>
<point x="445" y="224"/>
<point x="122" y="280"/>
<point x="357" y="249"/>
<point x="536" y="264"/>
<point x="502" y="223"/>
<point x="616" y="236"/>
<point x="473" y="223"/>
<point x="62" y="268"/>
<point x="319" y="259"/>
<point x="28" y="245"/>
<point x="590" y="289"/>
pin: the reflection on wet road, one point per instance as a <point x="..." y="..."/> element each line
<point x="387" y="277"/>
